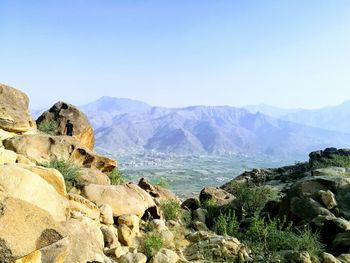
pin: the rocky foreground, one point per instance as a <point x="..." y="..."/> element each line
<point x="49" y="215"/>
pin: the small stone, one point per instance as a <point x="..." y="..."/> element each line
<point x="328" y="199"/>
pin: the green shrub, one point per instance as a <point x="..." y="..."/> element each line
<point x="152" y="243"/>
<point x="333" y="160"/>
<point x="116" y="176"/>
<point x="272" y="236"/>
<point x="252" y="198"/>
<point x="227" y="224"/>
<point x="49" y="127"/>
<point x="171" y="210"/>
<point x="160" y="181"/>
<point x="69" y="170"/>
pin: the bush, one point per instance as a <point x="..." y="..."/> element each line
<point x="227" y="224"/>
<point x="152" y="243"/>
<point x="49" y="127"/>
<point x="69" y="170"/>
<point x="334" y="160"/>
<point x="116" y="176"/>
<point x="272" y="236"/>
<point x="160" y="181"/>
<point x="171" y="210"/>
<point x="253" y="198"/>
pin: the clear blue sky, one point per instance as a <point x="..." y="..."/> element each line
<point x="292" y="53"/>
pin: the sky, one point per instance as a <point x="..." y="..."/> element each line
<point x="175" y="53"/>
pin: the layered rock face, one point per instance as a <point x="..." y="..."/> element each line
<point x="60" y="113"/>
<point x="14" y="113"/>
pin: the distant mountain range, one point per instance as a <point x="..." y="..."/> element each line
<point x="124" y="126"/>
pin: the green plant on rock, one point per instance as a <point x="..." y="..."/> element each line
<point x="151" y="244"/>
<point x="116" y="176"/>
<point x="69" y="170"/>
<point x="171" y="210"/>
<point x="49" y="127"/>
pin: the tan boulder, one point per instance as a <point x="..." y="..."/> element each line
<point x="23" y="184"/>
<point x="158" y="193"/>
<point x="110" y="236"/>
<point x="328" y="199"/>
<point x="124" y="199"/>
<point x="34" y="257"/>
<point x="5" y="135"/>
<point x="24" y="228"/>
<point x="7" y="156"/>
<point x="86" y="241"/>
<point x="42" y="148"/>
<point x="79" y="204"/>
<point x="106" y="214"/>
<point x="217" y="195"/>
<point x="126" y="235"/>
<point x="14" y="112"/>
<point x="132" y="258"/>
<point x="60" y="113"/>
<point x="91" y="176"/>
<point x="132" y="221"/>
<point x="50" y="175"/>
<point x="56" y="252"/>
<point x="165" y="256"/>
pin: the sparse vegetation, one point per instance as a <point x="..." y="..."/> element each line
<point x="116" y="177"/>
<point x="49" y="127"/>
<point x="68" y="169"/>
<point x="227" y="224"/>
<point x="334" y="160"/>
<point x="171" y="210"/>
<point x="151" y="244"/>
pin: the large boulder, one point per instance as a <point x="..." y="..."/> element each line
<point x="91" y="176"/>
<point x="7" y="156"/>
<point x="42" y="148"/>
<point x="124" y="199"/>
<point x="23" y="184"/>
<point x="60" y="113"/>
<point x="14" y="113"/>
<point x="24" y="228"/>
<point x="217" y="195"/>
<point x="86" y="241"/>
<point x="159" y="194"/>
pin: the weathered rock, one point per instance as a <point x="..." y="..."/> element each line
<point x="86" y="241"/>
<point x="20" y="183"/>
<point x="159" y="225"/>
<point x="14" y="113"/>
<point x="110" y="236"/>
<point x="344" y="258"/>
<point x="5" y="135"/>
<point x="117" y="252"/>
<point x="133" y="258"/>
<point x="78" y="203"/>
<point x="56" y="252"/>
<point x="191" y="204"/>
<point x="42" y="148"/>
<point x="132" y="221"/>
<point x="297" y="257"/>
<point x="215" y="247"/>
<point x="60" y="113"/>
<point x="91" y="176"/>
<point x="200" y="215"/>
<point x="329" y="258"/>
<point x="125" y="235"/>
<point x="24" y="228"/>
<point x="34" y="257"/>
<point x="124" y="199"/>
<point x="52" y="176"/>
<point x="7" y="157"/>
<point x="158" y="193"/>
<point x="165" y="256"/>
<point x="106" y="214"/>
<point x="328" y="199"/>
<point x="215" y="194"/>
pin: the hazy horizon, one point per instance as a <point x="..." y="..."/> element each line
<point x="288" y="54"/>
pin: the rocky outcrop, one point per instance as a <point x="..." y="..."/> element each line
<point x="124" y="199"/>
<point x="41" y="148"/>
<point x="14" y="113"/>
<point x="217" y="195"/>
<point x="158" y="193"/>
<point x="26" y="185"/>
<point x="60" y="113"/>
<point x="25" y="228"/>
